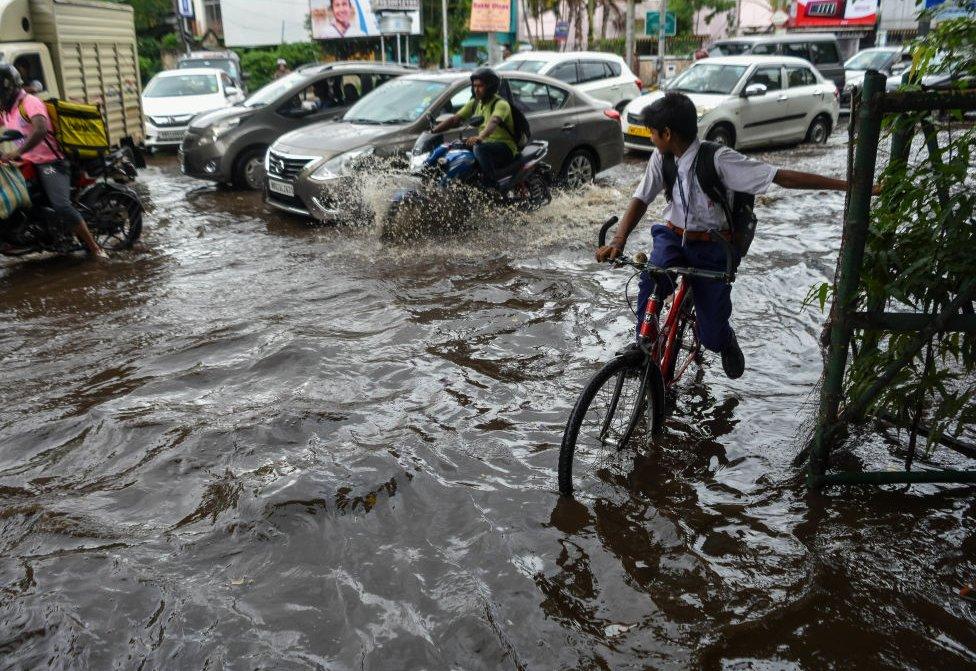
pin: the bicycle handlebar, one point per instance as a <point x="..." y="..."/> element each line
<point x="640" y="262"/>
<point x="603" y="230"/>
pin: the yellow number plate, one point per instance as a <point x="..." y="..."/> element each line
<point x="642" y="131"/>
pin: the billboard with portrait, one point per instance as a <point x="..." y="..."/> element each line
<point x="833" y="13"/>
<point x="339" y="19"/>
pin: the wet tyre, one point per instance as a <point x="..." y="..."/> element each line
<point x="249" y="169"/>
<point x="722" y="134"/>
<point x="578" y="170"/>
<point x="819" y="130"/>
<point x="114" y="216"/>
<point x="538" y="194"/>
<point x="606" y="417"/>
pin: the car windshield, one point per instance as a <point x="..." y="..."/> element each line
<point x="708" y="78"/>
<point x="398" y="101"/>
<point x="868" y="60"/>
<point x="181" y="85"/>
<point x="523" y="65"/>
<point x="269" y="93"/>
<point x="729" y="49"/>
<point x="225" y="64"/>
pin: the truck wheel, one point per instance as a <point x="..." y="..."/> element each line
<point x="249" y="169"/>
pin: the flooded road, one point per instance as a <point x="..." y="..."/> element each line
<point x="264" y="445"/>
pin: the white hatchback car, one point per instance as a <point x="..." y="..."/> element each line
<point x="603" y="76"/>
<point x="173" y="97"/>
<point x="748" y="101"/>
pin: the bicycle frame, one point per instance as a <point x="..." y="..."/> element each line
<point x="662" y="341"/>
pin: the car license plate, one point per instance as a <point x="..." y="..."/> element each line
<point x="284" y="188"/>
<point x="640" y="131"/>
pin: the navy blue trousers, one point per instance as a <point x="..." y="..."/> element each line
<point x="492" y="156"/>
<point x="713" y="299"/>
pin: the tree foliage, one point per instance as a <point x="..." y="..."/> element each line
<point x="432" y="39"/>
<point x="921" y="252"/>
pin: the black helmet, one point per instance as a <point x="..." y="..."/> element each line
<point x="10" y="85"/>
<point x="489" y="78"/>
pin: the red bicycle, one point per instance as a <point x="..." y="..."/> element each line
<point x="631" y="387"/>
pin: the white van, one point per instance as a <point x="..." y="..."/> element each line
<point x="603" y="76"/>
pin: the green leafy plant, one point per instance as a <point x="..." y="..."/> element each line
<point x="921" y="255"/>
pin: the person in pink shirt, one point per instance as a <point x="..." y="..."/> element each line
<point x="26" y="113"/>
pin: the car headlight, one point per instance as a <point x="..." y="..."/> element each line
<point x="223" y="126"/>
<point x="341" y="164"/>
<point x="702" y="111"/>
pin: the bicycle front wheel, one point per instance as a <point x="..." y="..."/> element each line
<point x="606" y="418"/>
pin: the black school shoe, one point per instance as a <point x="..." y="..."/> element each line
<point x="733" y="362"/>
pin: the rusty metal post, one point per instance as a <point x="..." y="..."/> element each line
<point x="848" y="276"/>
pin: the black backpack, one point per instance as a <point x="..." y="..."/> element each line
<point x="521" y="132"/>
<point x="739" y="213"/>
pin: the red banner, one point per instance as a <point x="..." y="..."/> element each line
<point x="833" y="13"/>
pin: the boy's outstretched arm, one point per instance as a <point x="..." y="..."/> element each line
<point x="792" y="179"/>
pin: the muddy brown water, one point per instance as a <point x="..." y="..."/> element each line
<point x="264" y="445"/>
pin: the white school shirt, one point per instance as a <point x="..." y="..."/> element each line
<point x="738" y="173"/>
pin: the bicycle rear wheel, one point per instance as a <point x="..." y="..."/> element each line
<point x="606" y="417"/>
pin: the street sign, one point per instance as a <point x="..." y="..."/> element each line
<point x="652" y="22"/>
<point x="396" y="5"/>
<point x="186" y="8"/>
<point x="562" y="31"/>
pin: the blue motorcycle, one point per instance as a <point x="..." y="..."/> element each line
<point x="449" y="184"/>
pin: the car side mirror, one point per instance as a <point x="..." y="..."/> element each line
<point x="754" y="90"/>
<point x="231" y="91"/>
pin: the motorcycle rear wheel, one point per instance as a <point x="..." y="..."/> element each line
<point x="538" y="194"/>
<point x="114" y="217"/>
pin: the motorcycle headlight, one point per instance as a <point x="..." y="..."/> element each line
<point x="341" y="164"/>
<point x="417" y="161"/>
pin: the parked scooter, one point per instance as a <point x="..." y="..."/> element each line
<point x="112" y="210"/>
<point x="449" y="184"/>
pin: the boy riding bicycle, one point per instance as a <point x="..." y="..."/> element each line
<point x="690" y="216"/>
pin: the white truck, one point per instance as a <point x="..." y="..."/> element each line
<point x="78" y="50"/>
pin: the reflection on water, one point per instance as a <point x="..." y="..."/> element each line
<point x="266" y="444"/>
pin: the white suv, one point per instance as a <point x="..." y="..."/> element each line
<point x="603" y="76"/>
<point x="748" y="101"/>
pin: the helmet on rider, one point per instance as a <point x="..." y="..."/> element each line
<point x="10" y="85"/>
<point x="489" y="78"/>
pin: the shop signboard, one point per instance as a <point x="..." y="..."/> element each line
<point x="834" y="13"/>
<point x="491" y="16"/>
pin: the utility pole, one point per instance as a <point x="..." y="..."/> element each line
<point x="447" y="56"/>
<point x="629" y="37"/>
<point x="738" y="16"/>
<point x="662" y="20"/>
<point x="492" y="48"/>
<point x="181" y="26"/>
